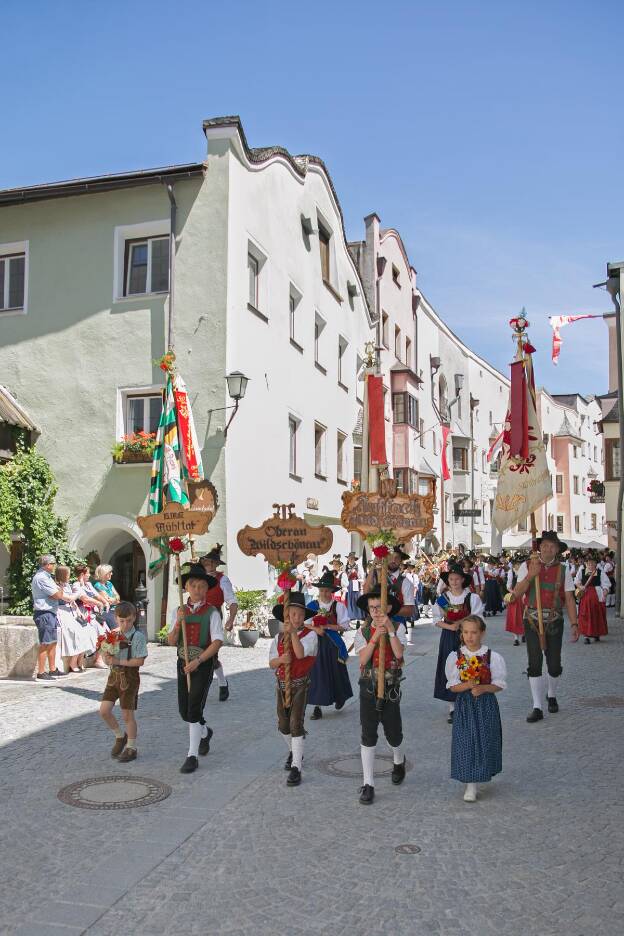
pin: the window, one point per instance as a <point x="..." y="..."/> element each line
<point x="359" y="384"/>
<point x="385" y="404"/>
<point x="293" y="428"/>
<point x="319" y="325"/>
<point x="551" y="521"/>
<point x="142" y="413"/>
<point x="559" y="523"/>
<point x="395" y="276"/>
<point x="575" y="484"/>
<point x="425" y="486"/>
<point x="357" y="463"/>
<point x="575" y="451"/>
<point x="421" y="429"/>
<point x="559" y="484"/>
<point x="595" y="453"/>
<point x="577" y="524"/>
<point x="12" y="277"/>
<point x="384" y="330"/>
<point x="324" y="239"/>
<point x="343" y="344"/>
<point x="294" y="298"/>
<point x="405" y="409"/>
<point x="460" y="458"/>
<point x="253" y="272"/>
<point x="146" y="266"/>
<point x="319" y="451"/>
<point x="583" y="449"/>
<point x="491" y="420"/>
<point x="407" y="480"/>
<point x="593" y="521"/>
<point x="483" y="461"/>
<point x="397" y="342"/>
<point x="408" y="353"/>
<point x="341" y="468"/>
<point x="612" y="459"/>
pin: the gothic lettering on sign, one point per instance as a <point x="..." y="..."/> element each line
<point x="174" y="520"/>
<point x="405" y="514"/>
<point x="284" y="537"/>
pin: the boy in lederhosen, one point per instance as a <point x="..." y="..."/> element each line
<point x="204" y="635"/>
<point x="123" y="683"/>
<point x="366" y="645"/>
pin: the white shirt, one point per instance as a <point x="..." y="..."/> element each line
<point x="360" y="640"/>
<point x="497" y="667"/>
<point x="478" y="577"/>
<point x="568" y="584"/>
<point x="309" y="644"/>
<point x="226" y="588"/>
<point x="476" y="605"/>
<point x="216" y="623"/>
<point x="600" y="581"/>
<point x="342" y="615"/>
<point x="407" y="588"/>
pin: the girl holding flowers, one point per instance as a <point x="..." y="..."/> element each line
<point x="474" y="674"/>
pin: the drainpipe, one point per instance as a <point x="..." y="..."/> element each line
<point x="615" y="288"/>
<point x="172" y="250"/>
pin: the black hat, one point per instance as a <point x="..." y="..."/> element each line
<point x="549" y="536"/>
<point x="197" y="571"/>
<point x="214" y="554"/>
<point x="297" y="600"/>
<point x="456" y="570"/>
<point x="326" y="581"/>
<point x="337" y="558"/>
<point x="393" y="601"/>
<point x="400" y="552"/>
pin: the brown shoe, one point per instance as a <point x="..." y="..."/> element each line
<point x="118" y="746"/>
<point x="130" y="753"/>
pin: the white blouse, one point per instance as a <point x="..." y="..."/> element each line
<point x="497" y="667"/>
<point x="476" y="605"/>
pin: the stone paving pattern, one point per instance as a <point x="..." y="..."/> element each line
<point x="234" y="851"/>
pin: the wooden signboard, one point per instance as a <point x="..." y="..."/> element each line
<point x="174" y="520"/>
<point x="284" y="537"/>
<point x="203" y="496"/>
<point x="405" y="514"/>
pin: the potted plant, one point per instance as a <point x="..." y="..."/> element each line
<point x="249" y="603"/>
<point x="135" y="448"/>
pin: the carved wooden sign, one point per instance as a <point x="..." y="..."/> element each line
<point x="405" y="514"/>
<point x="203" y="496"/>
<point x="284" y="537"/>
<point x="174" y="520"/>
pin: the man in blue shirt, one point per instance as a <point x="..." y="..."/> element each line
<point x="46" y="595"/>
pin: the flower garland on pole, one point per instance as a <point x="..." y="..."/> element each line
<point x="382" y="543"/>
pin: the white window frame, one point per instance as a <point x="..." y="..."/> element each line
<point x="262" y="280"/>
<point x="322" y="222"/>
<point x="359" y="384"/>
<point x="123" y="395"/>
<point x="9" y="250"/>
<point x="320" y="466"/>
<point x="293" y="466"/>
<point x="294" y="300"/>
<point x="341" y="464"/>
<point x="319" y="327"/>
<point x="343" y="345"/>
<point x="557" y="519"/>
<point x="126" y="232"/>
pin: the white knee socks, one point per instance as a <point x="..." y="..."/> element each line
<point x="368" y="764"/>
<point x="398" y="754"/>
<point x="297" y="752"/>
<point x="195" y="736"/>
<point x="288" y="739"/>
<point x="451" y="706"/>
<point x="537" y="691"/>
<point x="220" y="676"/>
<point x="552" y="686"/>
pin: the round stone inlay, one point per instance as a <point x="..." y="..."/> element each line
<point x="114" y="792"/>
<point x="407" y="850"/>
<point x="350" y="766"/>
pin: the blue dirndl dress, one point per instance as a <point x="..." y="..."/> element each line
<point x="355" y="613"/>
<point x="477" y="746"/>
<point x="330" y="683"/>
<point x="449" y="642"/>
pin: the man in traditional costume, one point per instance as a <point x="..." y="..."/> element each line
<point x="399" y="586"/>
<point x="221" y="594"/>
<point x="330" y="683"/>
<point x="204" y="637"/>
<point x="556" y="588"/>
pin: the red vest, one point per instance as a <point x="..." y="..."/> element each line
<point x="391" y="661"/>
<point x="298" y="668"/>
<point x="548" y="580"/>
<point x="451" y="617"/>
<point x="214" y="595"/>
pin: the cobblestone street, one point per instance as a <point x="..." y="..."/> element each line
<point x="234" y="851"/>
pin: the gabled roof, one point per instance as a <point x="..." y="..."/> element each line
<point x="12" y="413"/>
<point x="566" y="430"/>
<point x="613" y="416"/>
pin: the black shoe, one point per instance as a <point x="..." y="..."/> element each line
<point x="57" y="672"/>
<point x="553" y="706"/>
<point x="516" y="642"/>
<point x="204" y="744"/>
<point x="294" y="777"/>
<point x="45" y="676"/>
<point x="224" y="693"/>
<point x="288" y="763"/>
<point x="523" y="638"/>
<point x="190" y="764"/>
<point x="449" y="720"/>
<point x="596" y="639"/>
<point x="535" y="715"/>
<point x="367" y="794"/>
<point x="316" y="714"/>
<point x="339" y="705"/>
<point x="587" y="640"/>
<point x="398" y="773"/>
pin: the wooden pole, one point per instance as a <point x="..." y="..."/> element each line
<point x="181" y="596"/>
<point x="381" y="670"/>
<point x="288" y="651"/>
<point x="538" y="591"/>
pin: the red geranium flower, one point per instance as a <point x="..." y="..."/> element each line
<point x="286" y="582"/>
<point x="176" y="545"/>
<point x="381" y="551"/>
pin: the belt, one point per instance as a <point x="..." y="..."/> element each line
<point x="193" y="652"/>
<point x="294" y="683"/>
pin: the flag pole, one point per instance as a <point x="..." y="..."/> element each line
<point x="183" y="624"/>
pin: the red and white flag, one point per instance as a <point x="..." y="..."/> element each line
<point x="446" y="472"/>
<point x="494" y="448"/>
<point x="189" y="445"/>
<point x="556" y="323"/>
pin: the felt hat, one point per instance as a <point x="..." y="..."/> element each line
<point x="296" y="600"/>
<point x="214" y="554"/>
<point x="549" y="536"/>
<point x="326" y="581"/>
<point x="197" y="571"/>
<point x="393" y="601"/>
<point x="456" y="570"/>
<point x="400" y="552"/>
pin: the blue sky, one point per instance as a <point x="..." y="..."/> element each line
<point x="488" y="133"/>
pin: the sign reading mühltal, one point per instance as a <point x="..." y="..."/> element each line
<point x="284" y="537"/>
<point x="174" y="520"/>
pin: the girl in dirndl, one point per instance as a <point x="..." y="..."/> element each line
<point x="453" y="606"/>
<point x="592" y="587"/>
<point x="514" y="621"/>
<point x="354" y="589"/>
<point x="474" y="674"/>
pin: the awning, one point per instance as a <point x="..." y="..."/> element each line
<point x="12" y="413"/>
<point x="426" y="469"/>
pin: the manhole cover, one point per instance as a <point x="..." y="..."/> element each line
<point x="350" y="765"/>
<point x="407" y="850"/>
<point x="114" y="792"/>
<point x="606" y="701"/>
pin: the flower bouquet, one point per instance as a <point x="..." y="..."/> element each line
<point x="109" y="643"/>
<point x="473" y="667"/>
<point x="382" y="542"/>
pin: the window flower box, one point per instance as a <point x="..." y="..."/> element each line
<point x="137" y="448"/>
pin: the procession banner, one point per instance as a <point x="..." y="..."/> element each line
<point x="284" y="538"/>
<point x="376" y="421"/>
<point x="405" y="514"/>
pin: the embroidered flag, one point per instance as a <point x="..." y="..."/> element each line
<point x="446" y="473"/>
<point x="495" y="447"/>
<point x="376" y="421"/>
<point x="556" y="323"/>
<point x="189" y="446"/>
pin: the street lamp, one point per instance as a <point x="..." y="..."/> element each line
<point x="237" y="387"/>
